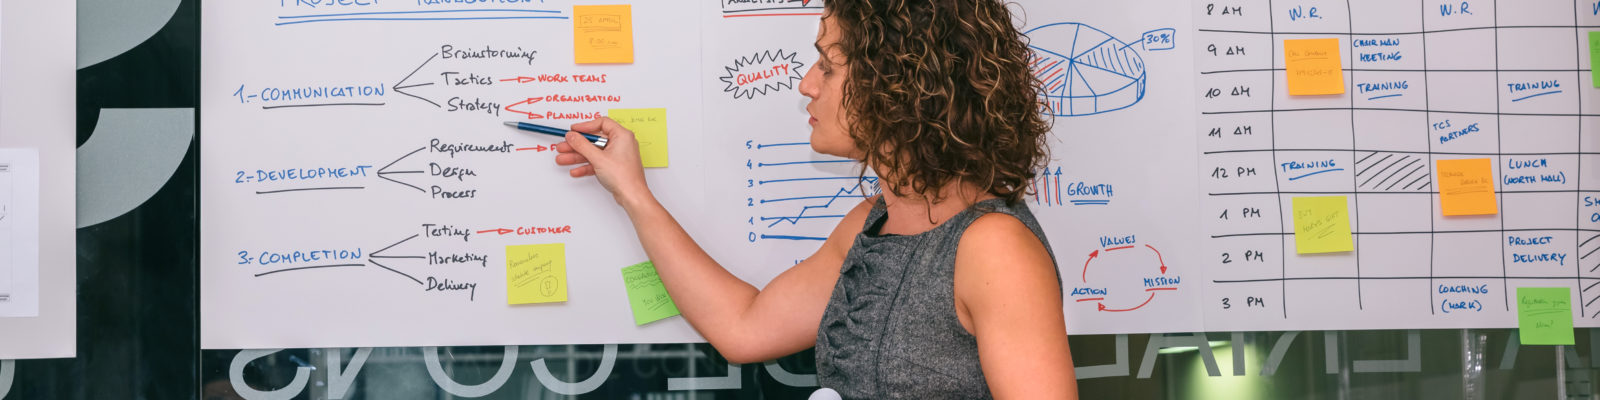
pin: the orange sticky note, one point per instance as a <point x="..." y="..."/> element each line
<point x="1466" y="187"/>
<point x="602" y="34"/>
<point x="1314" y="66"/>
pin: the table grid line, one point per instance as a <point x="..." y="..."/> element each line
<point x="1423" y="70"/>
<point x="1427" y="136"/>
<point x="1577" y="267"/>
<point x="1355" y="198"/>
<point x="1283" y="263"/>
<point x="1494" y="113"/>
<point x="1417" y="193"/>
<point x="1412" y="33"/>
<point x="1451" y="232"/>
<point x="1430" y="277"/>
<point x="1499" y="137"/>
<point x="1430" y="146"/>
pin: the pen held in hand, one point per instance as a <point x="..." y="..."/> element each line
<point x="536" y="128"/>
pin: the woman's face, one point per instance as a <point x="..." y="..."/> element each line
<point x="824" y="84"/>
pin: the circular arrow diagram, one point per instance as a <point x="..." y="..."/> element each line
<point x="1101" y="305"/>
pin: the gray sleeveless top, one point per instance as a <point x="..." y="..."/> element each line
<point x="890" y="330"/>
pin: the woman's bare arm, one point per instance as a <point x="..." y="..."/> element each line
<point x="744" y="324"/>
<point x="1007" y="286"/>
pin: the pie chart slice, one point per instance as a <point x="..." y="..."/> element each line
<point x="1084" y="70"/>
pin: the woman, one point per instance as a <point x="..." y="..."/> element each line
<point x="943" y="285"/>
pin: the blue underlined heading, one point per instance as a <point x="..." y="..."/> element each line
<point x="1533" y="96"/>
<point x="1315" y="173"/>
<point x="413" y="12"/>
<point x="408" y="19"/>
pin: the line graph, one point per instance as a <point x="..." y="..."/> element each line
<point x="866" y="184"/>
<point x="792" y="196"/>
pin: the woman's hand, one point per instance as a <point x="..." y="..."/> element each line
<point x="617" y="166"/>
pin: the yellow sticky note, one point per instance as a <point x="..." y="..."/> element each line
<point x="1322" y="225"/>
<point x="1314" y="66"/>
<point x="649" y="125"/>
<point x="1466" y="187"/>
<point x="602" y="34"/>
<point x="536" y="273"/>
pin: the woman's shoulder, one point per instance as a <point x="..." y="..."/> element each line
<point x="1001" y="243"/>
<point x="998" y="232"/>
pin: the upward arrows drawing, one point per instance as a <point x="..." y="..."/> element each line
<point x="1058" y="187"/>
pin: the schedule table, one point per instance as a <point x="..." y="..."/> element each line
<point x="1430" y="80"/>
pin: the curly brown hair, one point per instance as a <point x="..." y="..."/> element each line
<point x="941" y="91"/>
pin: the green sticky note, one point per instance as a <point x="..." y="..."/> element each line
<point x="1322" y="225"/>
<point x="1594" y="54"/>
<point x="536" y="273"/>
<point x="646" y="293"/>
<point x="649" y="125"/>
<point x="1544" y="315"/>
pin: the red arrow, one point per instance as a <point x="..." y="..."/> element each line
<point x="530" y="100"/>
<point x="520" y="79"/>
<point x="539" y="148"/>
<point x="530" y="115"/>
<point x="501" y="231"/>
<point x="1146" y="301"/>
<point x="1086" y="265"/>
<point x="1158" y="258"/>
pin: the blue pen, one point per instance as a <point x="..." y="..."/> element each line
<point x="597" y="140"/>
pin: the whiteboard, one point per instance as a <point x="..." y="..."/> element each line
<point x="38" y="142"/>
<point x="1166" y="201"/>
<point x="1116" y="204"/>
<point x="1426" y="80"/>
<point x="372" y="186"/>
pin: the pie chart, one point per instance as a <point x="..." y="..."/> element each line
<point x="1084" y="70"/>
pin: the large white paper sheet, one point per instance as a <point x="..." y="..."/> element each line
<point x="19" y="233"/>
<point x="37" y="113"/>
